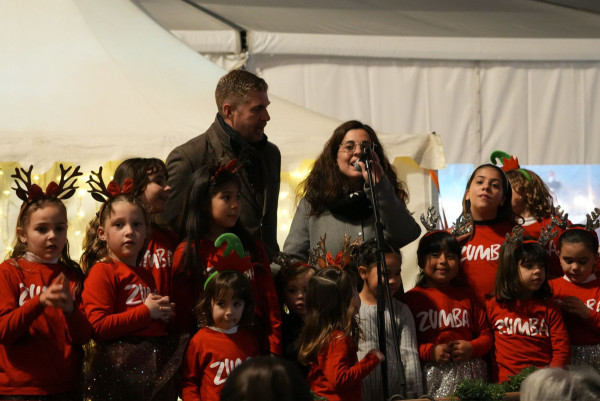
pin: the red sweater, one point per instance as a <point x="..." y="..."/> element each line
<point x="40" y="347"/>
<point x="159" y="257"/>
<point x="479" y="257"/>
<point x="186" y="294"/>
<point x="581" y="332"/>
<point x="336" y="373"/>
<point x="209" y="360"/>
<point x="534" y="230"/>
<point x="113" y="300"/>
<point x="527" y="332"/>
<point x="447" y="314"/>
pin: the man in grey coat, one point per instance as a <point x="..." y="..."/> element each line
<point x="237" y="132"/>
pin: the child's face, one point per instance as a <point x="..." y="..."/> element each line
<point x="577" y="261"/>
<point x="394" y="270"/>
<point x="440" y="268"/>
<point x="157" y="191"/>
<point x="227" y="312"/>
<point x="45" y="232"/>
<point x="485" y="194"/>
<point x="518" y="203"/>
<point x="226" y="206"/>
<point x="124" y="231"/>
<point x="295" y="293"/>
<point x="531" y="276"/>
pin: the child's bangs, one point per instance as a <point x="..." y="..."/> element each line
<point x="532" y="253"/>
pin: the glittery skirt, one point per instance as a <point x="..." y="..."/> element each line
<point x="133" y="368"/>
<point x="441" y="378"/>
<point x="586" y="355"/>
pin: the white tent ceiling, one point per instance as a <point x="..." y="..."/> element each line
<point x="518" y="75"/>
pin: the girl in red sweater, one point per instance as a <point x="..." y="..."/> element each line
<point x="488" y="202"/>
<point x="212" y="208"/>
<point x="150" y="186"/>
<point x="578" y="293"/>
<point x="132" y="358"/>
<point x="223" y="343"/>
<point x="41" y="326"/>
<point x="532" y="204"/>
<point x="452" y="330"/>
<point x="328" y="341"/>
<point x="528" y="327"/>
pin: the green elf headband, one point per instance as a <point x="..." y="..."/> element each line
<point x="509" y="163"/>
<point x="229" y="257"/>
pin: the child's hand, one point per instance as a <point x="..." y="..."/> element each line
<point x="576" y="307"/>
<point x="58" y="295"/>
<point x="441" y="353"/>
<point x="377" y="353"/>
<point x="460" y="350"/>
<point x="160" y="307"/>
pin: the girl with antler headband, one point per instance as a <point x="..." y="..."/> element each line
<point x="212" y="207"/>
<point x="452" y="330"/>
<point x="328" y="341"/>
<point x="528" y="326"/>
<point x="224" y="312"/>
<point x="41" y="326"/>
<point x="578" y="291"/>
<point x="149" y="177"/>
<point x="532" y="204"/>
<point x="133" y="357"/>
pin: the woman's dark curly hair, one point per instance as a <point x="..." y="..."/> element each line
<point x="326" y="182"/>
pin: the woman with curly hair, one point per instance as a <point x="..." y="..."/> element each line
<point x="335" y="201"/>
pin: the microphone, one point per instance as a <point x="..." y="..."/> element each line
<point x="367" y="147"/>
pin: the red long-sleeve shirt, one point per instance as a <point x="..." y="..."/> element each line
<point x="336" y="374"/>
<point x="581" y="332"/>
<point x="527" y="332"/>
<point x="209" y="360"/>
<point x="40" y="347"/>
<point x="113" y="300"/>
<point x="479" y="256"/>
<point x="186" y="293"/>
<point x="447" y="314"/>
<point x="159" y="257"/>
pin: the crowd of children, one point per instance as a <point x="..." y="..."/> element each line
<point x="148" y="315"/>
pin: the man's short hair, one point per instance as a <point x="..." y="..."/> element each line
<point x="235" y="85"/>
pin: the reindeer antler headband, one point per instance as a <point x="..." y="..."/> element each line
<point x="318" y="256"/>
<point x="231" y="167"/>
<point x="516" y="236"/>
<point x="508" y="163"/>
<point x="103" y="193"/>
<point x="591" y="224"/>
<point x="30" y="192"/>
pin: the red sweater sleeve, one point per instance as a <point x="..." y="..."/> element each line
<point x="99" y="300"/>
<point x="191" y="373"/>
<point x="270" y="303"/>
<point x="561" y="349"/>
<point x="339" y="367"/>
<point x="15" y="322"/>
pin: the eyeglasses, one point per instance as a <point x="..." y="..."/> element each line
<point x="349" y="147"/>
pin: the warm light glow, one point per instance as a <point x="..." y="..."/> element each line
<point x="80" y="214"/>
<point x="36" y="177"/>
<point x="284" y="227"/>
<point x="6" y="192"/>
<point x="78" y="233"/>
<point x="81" y="192"/>
<point x="283" y="194"/>
<point x="300" y="174"/>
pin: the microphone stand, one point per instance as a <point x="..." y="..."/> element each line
<point x="383" y="288"/>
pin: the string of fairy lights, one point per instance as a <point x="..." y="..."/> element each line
<point x="81" y="208"/>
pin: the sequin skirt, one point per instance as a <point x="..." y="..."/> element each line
<point x="441" y="378"/>
<point x="586" y="355"/>
<point x="133" y="368"/>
